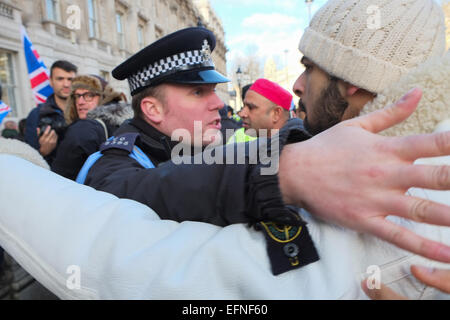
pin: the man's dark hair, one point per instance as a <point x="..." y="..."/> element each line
<point x="64" y="65"/>
<point x="245" y="89"/>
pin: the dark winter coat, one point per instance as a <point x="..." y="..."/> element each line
<point x="47" y="112"/>
<point x="227" y="124"/>
<point x="84" y="137"/>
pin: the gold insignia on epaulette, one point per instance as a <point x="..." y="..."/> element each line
<point x="282" y="233"/>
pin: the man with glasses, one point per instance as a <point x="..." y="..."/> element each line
<point x="93" y="112"/>
<point x="85" y="101"/>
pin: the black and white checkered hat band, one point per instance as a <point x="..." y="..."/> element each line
<point x="179" y="62"/>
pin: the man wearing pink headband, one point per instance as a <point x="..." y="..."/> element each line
<point x="266" y="106"/>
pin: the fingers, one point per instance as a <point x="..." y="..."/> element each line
<point x="53" y="136"/>
<point x="419" y="210"/>
<point x="48" y="141"/>
<point x="439" y="279"/>
<point x="384" y="293"/>
<point x="426" y="211"/>
<point x="423" y="146"/>
<point x="46" y="134"/>
<point x="49" y="136"/>
<point x="383" y="119"/>
<point x="408" y="240"/>
<point x="424" y="176"/>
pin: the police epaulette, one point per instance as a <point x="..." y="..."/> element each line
<point x="288" y="247"/>
<point x="124" y="141"/>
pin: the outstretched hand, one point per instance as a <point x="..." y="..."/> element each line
<point x="353" y="177"/>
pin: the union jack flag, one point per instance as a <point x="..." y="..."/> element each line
<point x="4" y="110"/>
<point x="37" y="72"/>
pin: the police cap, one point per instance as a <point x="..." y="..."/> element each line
<point x="180" y="57"/>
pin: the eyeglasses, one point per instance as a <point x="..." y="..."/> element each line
<point x="88" y="96"/>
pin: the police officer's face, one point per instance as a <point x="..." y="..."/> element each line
<point x="257" y="113"/>
<point x="193" y="108"/>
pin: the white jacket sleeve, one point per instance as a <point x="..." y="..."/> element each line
<point x="85" y="244"/>
<point x="54" y="227"/>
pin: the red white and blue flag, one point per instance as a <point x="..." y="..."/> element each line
<point x="37" y="72"/>
<point x="4" y="110"/>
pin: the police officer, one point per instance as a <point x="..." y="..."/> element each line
<point x="173" y="85"/>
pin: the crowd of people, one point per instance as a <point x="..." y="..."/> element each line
<point x="89" y="133"/>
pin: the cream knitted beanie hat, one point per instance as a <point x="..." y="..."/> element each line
<point x="372" y="43"/>
<point x="433" y="77"/>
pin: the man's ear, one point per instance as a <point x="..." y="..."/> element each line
<point x="276" y="114"/>
<point x="346" y="89"/>
<point x="152" y="109"/>
<point x="350" y="90"/>
<point x="357" y="98"/>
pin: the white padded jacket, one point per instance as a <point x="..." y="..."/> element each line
<point x="54" y="227"/>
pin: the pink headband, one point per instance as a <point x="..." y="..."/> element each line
<point x="273" y="92"/>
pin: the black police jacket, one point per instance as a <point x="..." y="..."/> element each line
<point x="220" y="194"/>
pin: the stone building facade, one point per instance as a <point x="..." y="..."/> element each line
<point x="95" y="35"/>
<point x="446" y="6"/>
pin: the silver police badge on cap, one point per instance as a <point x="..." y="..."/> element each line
<point x="206" y="50"/>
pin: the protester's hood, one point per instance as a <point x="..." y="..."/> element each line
<point x="112" y="114"/>
<point x="433" y="77"/>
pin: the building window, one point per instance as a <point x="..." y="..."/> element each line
<point x="105" y="75"/>
<point x="52" y="10"/>
<point x="6" y="11"/>
<point x="7" y="81"/>
<point x="92" y="15"/>
<point x="120" y="32"/>
<point x="141" y="37"/>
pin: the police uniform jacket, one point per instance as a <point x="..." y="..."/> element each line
<point x="218" y="194"/>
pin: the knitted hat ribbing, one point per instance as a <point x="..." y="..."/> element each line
<point x="345" y="40"/>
